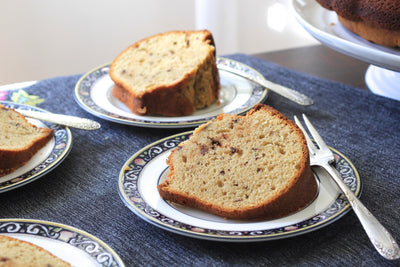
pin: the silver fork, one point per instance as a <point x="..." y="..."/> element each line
<point x="322" y="156"/>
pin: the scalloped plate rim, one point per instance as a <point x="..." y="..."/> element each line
<point x="153" y="123"/>
<point x="232" y="238"/>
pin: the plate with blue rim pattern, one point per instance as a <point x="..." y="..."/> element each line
<point x="141" y="173"/>
<point x="45" y="160"/>
<point x="237" y="96"/>
<point x="72" y="245"/>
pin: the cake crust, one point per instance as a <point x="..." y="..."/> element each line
<point x="165" y="87"/>
<point x="376" y="35"/>
<point x="224" y="171"/>
<point x="377" y="21"/>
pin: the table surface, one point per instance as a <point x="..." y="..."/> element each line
<point x="82" y="191"/>
<point x="322" y="62"/>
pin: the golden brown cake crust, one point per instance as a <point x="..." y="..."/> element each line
<point x="177" y="98"/>
<point x="375" y="20"/>
<point x="296" y="194"/>
<point x="12" y="158"/>
<point x="154" y="102"/>
<point x="379" y="36"/>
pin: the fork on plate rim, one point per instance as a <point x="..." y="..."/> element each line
<point x="321" y="155"/>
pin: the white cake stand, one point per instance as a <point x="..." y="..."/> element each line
<point x="382" y="76"/>
<point x="383" y="82"/>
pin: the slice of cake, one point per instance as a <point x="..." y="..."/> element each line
<point x="19" y="140"/>
<point x="16" y="252"/>
<point x="172" y="74"/>
<point x="242" y="167"/>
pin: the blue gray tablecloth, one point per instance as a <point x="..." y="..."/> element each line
<point x="82" y="191"/>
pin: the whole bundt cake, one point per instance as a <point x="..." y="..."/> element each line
<point x="377" y="21"/>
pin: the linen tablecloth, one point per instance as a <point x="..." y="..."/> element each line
<point x="83" y="190"/>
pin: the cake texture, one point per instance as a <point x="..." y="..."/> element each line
<point x="242" y="167"/>
<point x="171" y="74"/>
<point x="19" y="140"/>
<point x="18" y="253"/>
<point x="377" y="21"/>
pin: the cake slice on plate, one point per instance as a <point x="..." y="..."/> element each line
<point x="172" y="74"/>
<point x="19" y="140"/>
<point x="243" y="167"/>
<point x="16" y="252"/>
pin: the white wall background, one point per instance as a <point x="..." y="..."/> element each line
<point x="40" y="39"/>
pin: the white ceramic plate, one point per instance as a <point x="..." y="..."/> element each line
<point x="45" y="160"/>
<point x="237" y="96"/>
<point x="325" y="27"/>
<point x="74" y="246"/>
<point x="141" y="174"/>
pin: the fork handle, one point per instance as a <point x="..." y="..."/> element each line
<point x="384" y="243"/>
